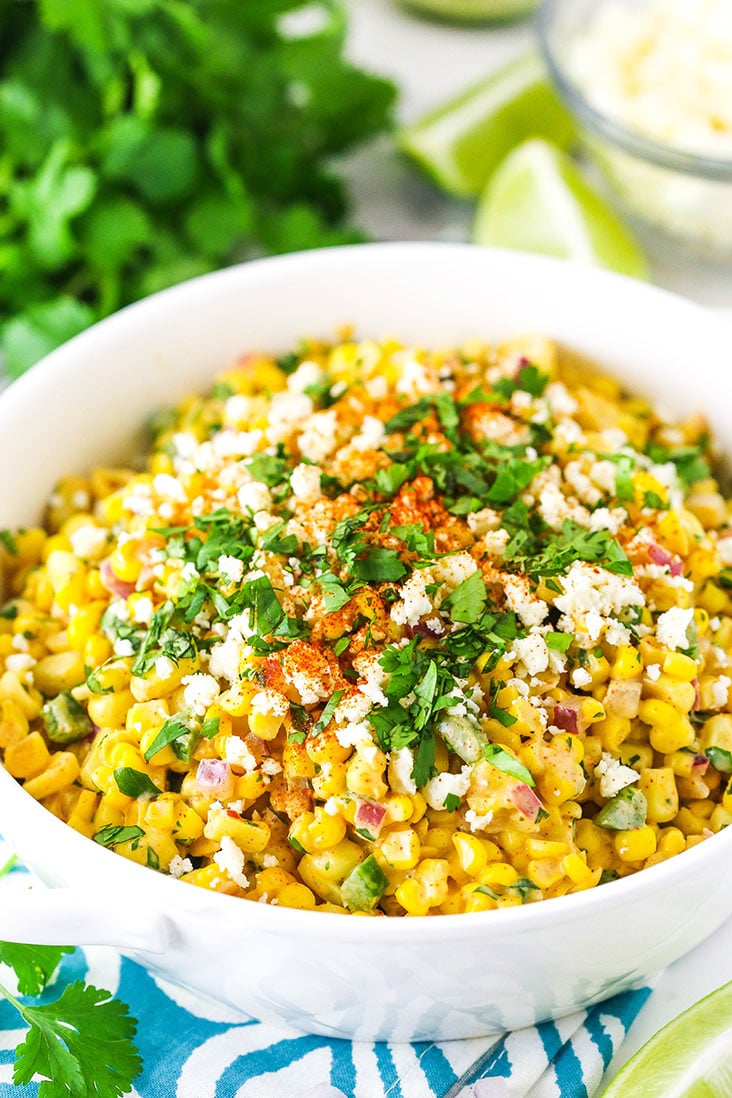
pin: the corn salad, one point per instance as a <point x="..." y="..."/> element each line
<point x="383" y="630"/>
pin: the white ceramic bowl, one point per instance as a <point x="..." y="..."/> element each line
<point x="397" y="979"/>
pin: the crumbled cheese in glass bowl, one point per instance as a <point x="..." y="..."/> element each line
<point x="651" y="83"/>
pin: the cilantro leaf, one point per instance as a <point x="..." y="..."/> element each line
<point x="561" y="548"/>
<point x="80" y="1044"/>
<point x="560" y="642"/>
<point x="33" y="965"/>
<point x="133" y="783"/>
<point x="691" y="462"/>
<point x="113" y="835"/>
<point x="379" y="565"/>
<point x="502" y="760"/>
<point x="328" y="711"/>
<point x="467" y="602"/>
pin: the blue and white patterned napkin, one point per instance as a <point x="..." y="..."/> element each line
<point x="194" y="1049"/>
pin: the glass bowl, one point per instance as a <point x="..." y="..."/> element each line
<point x="472" y="11"/>
<point x="684" y="194"/>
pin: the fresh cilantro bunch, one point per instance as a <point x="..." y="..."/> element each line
<point x="146" y="141"/>
<point x="80" y="1043"/>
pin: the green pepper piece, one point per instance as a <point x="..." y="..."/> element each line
<point x="463" y="738"/>
<point x="626" y="811"/>
<point x="66" y="720"/>
<point x="364" y="885"/>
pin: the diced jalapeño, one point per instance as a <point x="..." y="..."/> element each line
<point x="627" y="810"/>
<point x="66" y="720"/>
<point x="364" y="885"/>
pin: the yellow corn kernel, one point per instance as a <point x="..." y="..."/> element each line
<point x="674" y="691"/>
<point x="125" y="561"/>
<point x="364" y="775"/>
<point x="144" y="720"/>
<point x="161" y="680"/>
<point x="612" y="732"/>
<point x="672" y="737"/>
<point x="58" y="672"/>
<point x="94" y="586"/>
<point x="399" y="848"/>
<point x="96" y="650"/>
<point x="110" y="710"/>
<point x="658" y="784"/>
<point x="498" y="873"/>
<point x="658" y="713"/>
<point x="188" y="825"/>
<point x="596" y="843"/>
<point x="627" y="663"/>
<point x="412" y="897"/>
<point x="331" y="781"/>
<point x="28" y="757"/>
<point x="271" y="881"/>
<point x="237" y="701"/>
<point x="545" y="848"/>
<point x="106" y="814"/>
<point x="13" y="723"/>
<point x="62" y="770"/>
<point x="545" y="872"/>
<point x="296" y="895"/>
<point x="635" y="845"/>
<point x="592" y="710"/>
<point x="679" y="666"/>
<point x="471" y="852"/>
<point x="671" y="534"/>
<point x="28" y="700"/>
<point x="473" y="900"/>
<point x="125" y="754"/>
<point x="249" y="835"/>
<point x="159" y="814"/>
<point x="671" y="841"/>
<point x="325" y="748"/>
<point x="419" y="808"/>
<point x="324" y="871"/>
<point x="398" y="809"/>
<point x="578" y="871"/>
<point x="211" y="877"/>
<point x="83" y="813"/>
<point x="314" y="831"/>
<point x="716" y="732"/>
<point x="83" y="622"/>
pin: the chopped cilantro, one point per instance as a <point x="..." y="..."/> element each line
<point x="133" y="783"/>
<point x="379" y="565"/>
<point x="654" y="501"/>
<point x="624" y="487"/>
<point x="92" y="680"/>
<point x="327" y="715"/>
<point x="113" y="835"/>
<point x="691" y="462"/>
<point x="8" y="542"/>
<point x="452" y="802"/>
<point x="502" y="760"/>
<point x="268" y="469"/>
<point x="466" y="603"/>
<point x="560" y="642"/>
<point x="388" y="481"/>
<point x="341" y="645"/>
<point x="573" y="542"/>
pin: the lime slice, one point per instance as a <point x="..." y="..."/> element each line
<point x="461" y="143"/>
<point x="691" y="1057"/>
<point x="470" y="10"/>
<point x="537" y="201"/>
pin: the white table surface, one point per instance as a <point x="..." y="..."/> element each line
<point x="430" y="62"/>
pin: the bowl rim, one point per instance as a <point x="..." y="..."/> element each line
<point x="631" y="141"/>
<point x="529" y="918"/>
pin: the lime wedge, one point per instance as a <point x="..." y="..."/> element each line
<point x="461" y="143"/>
<point x="537" y="201"/>
<point x="469" y="10"/>
<point x="691" y="1057"/>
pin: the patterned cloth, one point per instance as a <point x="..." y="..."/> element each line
<point x="195" y="1049"/>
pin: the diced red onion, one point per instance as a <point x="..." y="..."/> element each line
<point x="697" y="695"/>
<point x="213" y="775"/>
<point x="566" y="718"/>
<point x="369" y="817"/>
<point x="659" y="555"/>
<point x="526" y="801"/>
<point x="699" y="765"/>
<point x="114" y="585"/>
<point x="706" y="833"/>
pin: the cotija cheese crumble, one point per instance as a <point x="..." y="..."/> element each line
<point x="383" y="630"/>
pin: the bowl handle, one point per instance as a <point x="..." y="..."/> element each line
<point x="74" y="916"/>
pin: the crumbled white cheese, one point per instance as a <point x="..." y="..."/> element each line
<point x="169" y="487"/>
<point x="438" y="789"/>
<point x="591" y="595"/>
<point x="123" y="647"/>
<point x="237" y="753"/>
<point x="532" y="652"/>
<point x="307" y="374"/>
<point x="254" y="497"/>
<point x="372" y="434"/>
<point x="21" y="661"/>
<point x="179" y="866"/>
<point x="374" y="677"/>
<point x="480" y="522"/>
<point x="270" y="766"/>
<point x="305" y="483"/>
<point x="521" y="599"/>
<point x="560" y="400"/>
<point x="720" y="691"/>
<point x="672" y="627"/>
<point x="476" y="821"/>
<point x="200" y="692"/>
<point x="142" y="610"/>
<point x="230" y="568"/>
<point x="317" y="440"/>
<point x="580" y="677"/>
<point x="286" y="412"/>
<point x="164" y="667"/>
<point x="613" y="775"/>
<point x="88" y="541"/>
<point x="724" y="549"/>
<point x="230" y="860"/>
<point x="653" y="672"/>
<point x="401" y="766"/>
<point x="603" y="518"/>
<point x="554" y="507"/>
<point x="414" y="602"/>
